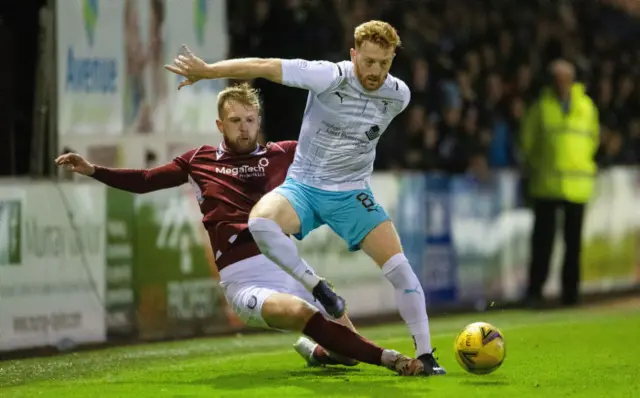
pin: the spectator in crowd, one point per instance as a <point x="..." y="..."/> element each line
<point x="560" y="136"/>
<point x="460" y="58"/>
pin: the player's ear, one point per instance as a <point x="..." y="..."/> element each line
<point x="352" y="53"/>
<point x="220" y="126"/>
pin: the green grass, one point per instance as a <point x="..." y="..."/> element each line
<point x="579" y="353"/>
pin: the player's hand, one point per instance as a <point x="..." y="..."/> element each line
<point x="187" y="64"/>
<point x="76" y="163"/>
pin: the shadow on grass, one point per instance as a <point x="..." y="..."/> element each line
<point x="313" y="379"/>
<point x="485" y="383"/>
<point x="478" y="380"/>
<point x="329" y="381"/>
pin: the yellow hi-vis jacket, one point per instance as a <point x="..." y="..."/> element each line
<point x="559" y="147"/>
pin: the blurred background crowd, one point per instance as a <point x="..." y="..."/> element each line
<point x="473" y="66"/>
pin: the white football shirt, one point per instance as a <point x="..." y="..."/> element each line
<point x="342" y="123"/>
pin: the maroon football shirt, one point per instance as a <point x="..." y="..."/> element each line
<point x="227" y="187"/>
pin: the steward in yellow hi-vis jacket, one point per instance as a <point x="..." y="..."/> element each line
<point x="559" y="138"/>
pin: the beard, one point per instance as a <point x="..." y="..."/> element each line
<point x="367" y="83"/>
<point x="241" y="146"/>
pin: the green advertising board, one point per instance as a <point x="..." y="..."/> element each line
<point x="120" y="259"/>
<point x="175" y="287"/>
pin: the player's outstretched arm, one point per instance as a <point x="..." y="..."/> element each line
<point x="243" y="69"/>
<point x="310" y="75"/>
<point x="192" y="67"/>
<point x="131" y="180"/>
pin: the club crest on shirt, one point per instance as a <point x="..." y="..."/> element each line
<point x="385" y="106"/>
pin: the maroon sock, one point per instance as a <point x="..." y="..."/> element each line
<point x="323" y="357"/>
<point x="342" y="340"/>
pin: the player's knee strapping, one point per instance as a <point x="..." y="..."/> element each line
<point x="280" y="249"/>
<point x="410" y="300"/>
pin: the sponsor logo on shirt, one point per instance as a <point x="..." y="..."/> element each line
<point x="373" y="133"/>
<point x="245" y="170"/>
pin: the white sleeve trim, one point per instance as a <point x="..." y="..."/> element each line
<point x="406" y="93"/>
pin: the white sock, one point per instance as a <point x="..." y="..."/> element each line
<point x="280" y="249"/>
<point x="389" y="357"/>
<point x="410" y="300"/>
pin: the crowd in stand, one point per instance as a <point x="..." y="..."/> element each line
<point x="473" y="67"/>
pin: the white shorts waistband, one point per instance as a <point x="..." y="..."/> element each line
<point x="243" y="267"/>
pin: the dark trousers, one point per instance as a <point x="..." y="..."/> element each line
<point x="544" y="228"/>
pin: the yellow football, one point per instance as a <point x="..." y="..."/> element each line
<point x="480" y="348"/>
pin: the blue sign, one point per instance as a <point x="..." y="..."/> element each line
<point x="474" y="210"/>
<point x="410" y="218"/>
<point x="449" y="231"/>
<point x="439" y="266"/>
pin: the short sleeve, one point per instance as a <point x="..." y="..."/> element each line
<point x="289" y="146"/>
<point x="405" y="92"/>
<point x="184" y="161"/>
<point x="316" y="76"/>
<point x="284" y="146"/>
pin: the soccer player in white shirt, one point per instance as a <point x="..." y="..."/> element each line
<point x="350" y="104"/>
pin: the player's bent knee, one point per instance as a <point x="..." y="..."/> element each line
<point x="265" y="208"/>
<point x="276" y="208"/>
<point x="287" y="312"/>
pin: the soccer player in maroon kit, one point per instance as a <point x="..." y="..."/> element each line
<point x="229" y="181"/>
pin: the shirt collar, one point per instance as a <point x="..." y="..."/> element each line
<point x="222" y="150"/>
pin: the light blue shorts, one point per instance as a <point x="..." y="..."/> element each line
<point x="350" y="214"/>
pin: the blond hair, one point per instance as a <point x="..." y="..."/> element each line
<point x="378" y="32"/>
<point x="242" y="93"/>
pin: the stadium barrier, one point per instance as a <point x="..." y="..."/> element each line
<point x="80" y="262"/>
<point x="468" y="241"/>
<point x="52" y="257"/>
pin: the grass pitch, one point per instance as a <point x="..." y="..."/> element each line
<point x="587" y="352"/>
